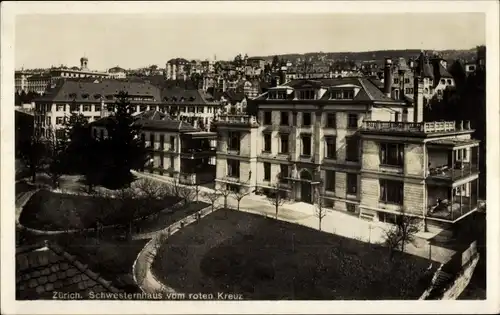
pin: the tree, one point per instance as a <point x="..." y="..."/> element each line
<point x="403" y="232"/>
<point x="78" y="138"/>
<point x="276" y="198"/>
<point x="124" y="144"/>
<point x="319" y="205"/>
<point x="224" y="193"/>
<point x="239" y="195"/>
<point x="128" y="209"/>
<point x="56" y="158"/>
<point x="187" y="194"/>
<point x="33" y="152"/>
<point x="275" y="63"/>
<point x="212" y="197"/>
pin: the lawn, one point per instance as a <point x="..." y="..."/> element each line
<point x="56" y="211"/>
<point x="236" y="252"/>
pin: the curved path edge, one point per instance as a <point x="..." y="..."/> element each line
<point x="141" y="269"/>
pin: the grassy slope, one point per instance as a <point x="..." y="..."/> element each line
<point x="262" y="258"/>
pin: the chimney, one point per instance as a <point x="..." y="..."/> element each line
<point x="388" y="77"/>
<point x="418" y="99"/>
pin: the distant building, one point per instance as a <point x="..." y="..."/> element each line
<point x="75" y="72"/>
<point x="176" y="69"/>
<point x="117" y="73"/>
<point x="93" y="99"/>
<point x="21" y="81"/>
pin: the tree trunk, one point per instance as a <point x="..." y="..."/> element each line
<point x="238" y="205"/>
<point x="276" y="211"/>
<point x="225" y="202"/>
<point x="320" y="222"/>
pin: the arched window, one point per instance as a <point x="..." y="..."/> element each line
<point x="396" y="94"/>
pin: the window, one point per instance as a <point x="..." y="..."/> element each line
<point x="392" y="154"/>
<point x="352" y="184"/>
<point x="307" y="95"/>
<point x="267" y="171"/>
<point x="352" y="149"/>
<point x="59" y="120"/>
<point x="86" y="108"/>
<point x="391" y="191"/>
<point x="407" y="80"/>
<point x="267" y="118"/>
<point x="162" y="142"/>
<point x="267" y="142"/>
<point x="233" y="168"/>
<point x="152" y="140"/>
<point x="449" y="81"/>
<point x="350" y="207"/>
<point x="284" y="118"/>
<point x="284" y="144"/>
<point x="348" y="94"/>
<point x="60" y="133"/>
<point x="306" y="119"/>
<point x="172" y="143"/>
<point x="97" y="108"/>
<point x="111" y="108"/>
<point x="234" y="141"/>
<point x="330" y="148"/>
<point x="60" y="108"/>
<point x="352" y="121"/>
<point x="331" y="120"/>
<point x="172" y="162"/>
<point x="329" y="180"/>
<point x="443" y="81"/>
<point x="409" y="90"/>
<point x="396" y="81"/>
<point x="283" y="172"/>
<point x="306" y="145"/>
<point x="440" y="92"/>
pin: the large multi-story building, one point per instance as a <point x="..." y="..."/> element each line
<point x="353" y="145"/>
<point x="176" y="149"/>
<point x="93" y="99"/>
<point x="176" y="69"/>
<point x="77" y="72"/>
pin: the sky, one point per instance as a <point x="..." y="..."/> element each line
<point x="133" y="41"/>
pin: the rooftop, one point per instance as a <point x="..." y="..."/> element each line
<point x="369" y="91"/>
<point x="45" y="268"/>
<point x="69" y="90"/>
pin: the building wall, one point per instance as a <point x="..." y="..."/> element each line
<point x="414" y="201"/>
<point x="414" y="160"/>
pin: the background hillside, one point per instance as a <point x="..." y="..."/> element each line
<point x="376" y="55"/>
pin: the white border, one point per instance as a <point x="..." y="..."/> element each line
<point x="9" y="306"/>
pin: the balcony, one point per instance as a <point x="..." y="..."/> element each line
<point x="453" y="203"/>
<point x="237" y="120"/>
<point x="456" y="172"/>
<point x="198" y="152"/>
<point x="411" y="127"/>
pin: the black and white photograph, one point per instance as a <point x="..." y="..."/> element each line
<point x="205" y="154"/>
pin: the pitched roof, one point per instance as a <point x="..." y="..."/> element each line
<point x="83" y="90"/>
<point x="151" y="119"/>
<point x="234" y="96"/>
<point x="45" y="268"/>
<point x="369" y="91"/>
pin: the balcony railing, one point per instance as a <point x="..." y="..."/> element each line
<point x="460" y="170"/>
<point x="422" y="127"/>
<point x="237" y="119"/>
